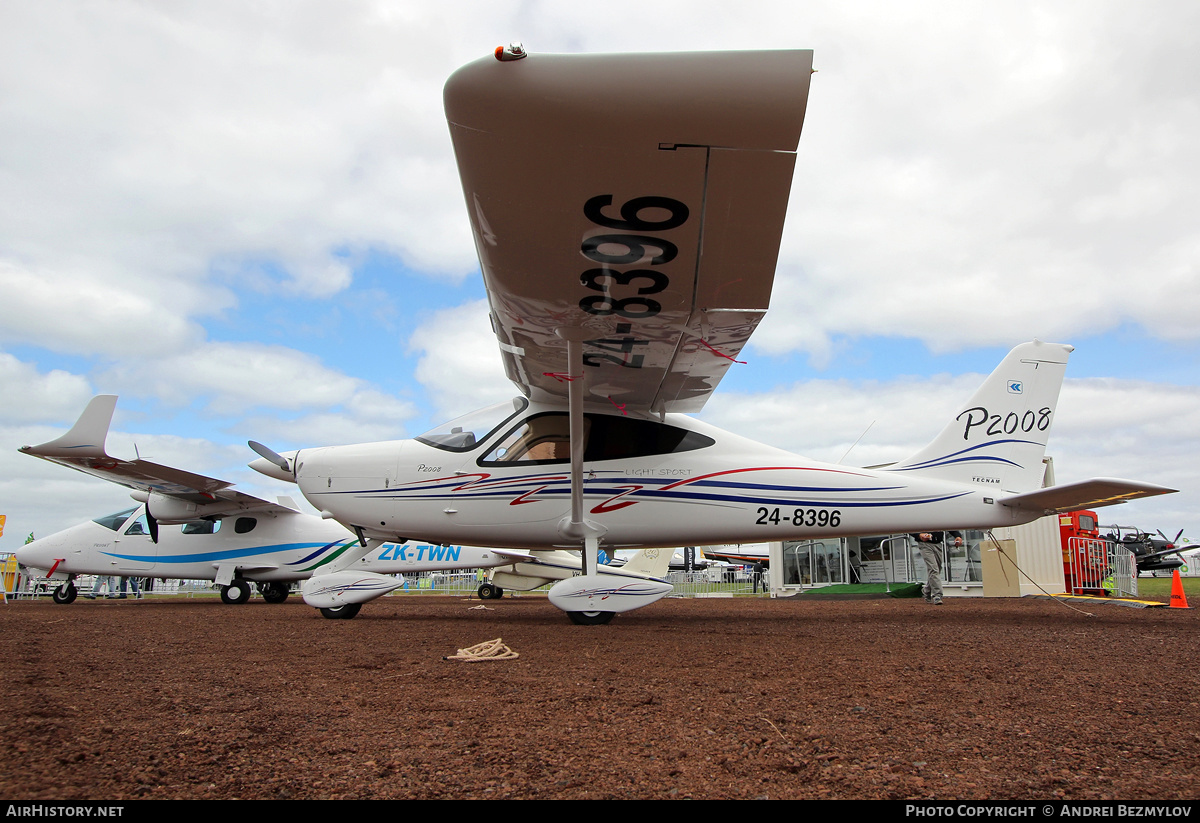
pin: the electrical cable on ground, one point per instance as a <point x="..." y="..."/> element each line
<point x="1000" y="549"/>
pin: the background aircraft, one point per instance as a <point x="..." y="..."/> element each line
<point x="1152" y="554"/>
<point x="198" y="528"/>
<point x="669" y="221"/>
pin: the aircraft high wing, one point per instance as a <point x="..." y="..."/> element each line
<point x="270" y="544"/>
<point x="637" y="198"/>
<point x="627" y="211"/>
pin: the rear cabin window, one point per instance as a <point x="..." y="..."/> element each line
<point x="244" y="524"/>
<point x="545" y="438"/>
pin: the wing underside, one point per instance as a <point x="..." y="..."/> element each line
<point x="639" y="197"/>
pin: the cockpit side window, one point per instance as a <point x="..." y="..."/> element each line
<point x="115" y="521"/>
<point x="465" y="433"/>
<point x="545" y="438"/>
<point x="139" y="526"/>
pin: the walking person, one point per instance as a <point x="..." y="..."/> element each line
<point x="930" y="546"/>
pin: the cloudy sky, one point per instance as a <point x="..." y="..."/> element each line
<point x="245" y="220"/>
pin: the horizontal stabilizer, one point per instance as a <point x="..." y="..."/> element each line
<point x="1086" y="494"/>
<point x="516" y="555"/>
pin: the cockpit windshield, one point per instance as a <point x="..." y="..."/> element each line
<point x="114" y="521"/>
<point x="464" y="433"/>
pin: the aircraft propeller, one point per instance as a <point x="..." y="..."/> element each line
<point x="273" y="456"/>
<point x="1178" y="535"/>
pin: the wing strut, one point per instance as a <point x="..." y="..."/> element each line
<point x="591" y="598"/>
<point x="578" y="525"/>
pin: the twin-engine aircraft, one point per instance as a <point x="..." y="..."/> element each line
<point x="192" y="527"/>
<point x="627" y="211"/>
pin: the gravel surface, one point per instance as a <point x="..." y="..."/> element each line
<point x="999" y="699"/>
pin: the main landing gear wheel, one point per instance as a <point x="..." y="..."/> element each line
<point x="66" y="593"/>
<point x="346" y="612"/>
<point x="591" y="618"/>
<point x="236" y="592"/>
<point x="274" y="592"/>
<point x="490" y="591"/>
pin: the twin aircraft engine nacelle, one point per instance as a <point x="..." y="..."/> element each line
<point x="172" y="510"/>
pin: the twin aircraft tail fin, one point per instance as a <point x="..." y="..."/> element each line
<point x="998" y="438"/>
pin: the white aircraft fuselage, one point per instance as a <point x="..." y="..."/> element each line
<point x="731" y="490"/>
<point x="274" y="548"/>
<point x="502" y="476"/>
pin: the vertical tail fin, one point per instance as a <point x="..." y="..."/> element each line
<point x="86" y="438"/>
<point x="650" y="562"/>
<point x="998" y="439"/>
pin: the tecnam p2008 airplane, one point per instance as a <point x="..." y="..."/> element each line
<point x="627" y="211"/>
<point x="179" y="532"/>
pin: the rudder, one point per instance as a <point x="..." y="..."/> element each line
<point x="998" y="438"/>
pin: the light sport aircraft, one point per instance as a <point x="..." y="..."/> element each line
<point x="627" y="211"/>
<point x="193" y="527"/>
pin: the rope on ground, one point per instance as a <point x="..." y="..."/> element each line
<point x="1000" y="549"/>
<point x="489" y="650"/>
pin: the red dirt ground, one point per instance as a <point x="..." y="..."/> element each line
<point x="999" y="699"/>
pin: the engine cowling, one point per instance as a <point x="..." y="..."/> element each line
<point x="172" y="510"/>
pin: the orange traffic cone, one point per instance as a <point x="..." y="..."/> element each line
<point x="1178" y="600"/>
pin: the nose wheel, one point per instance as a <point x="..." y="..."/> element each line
<point x="66" y="593"/>
<point x="346" y="612"/>
<point x="591" y="618"/>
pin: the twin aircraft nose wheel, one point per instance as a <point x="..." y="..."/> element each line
<point x="66" y="593"/>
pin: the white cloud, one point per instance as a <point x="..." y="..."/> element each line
<point x="234" y="377"/>
<point x="460" y="361"/>
<point x="30" y="396"/>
